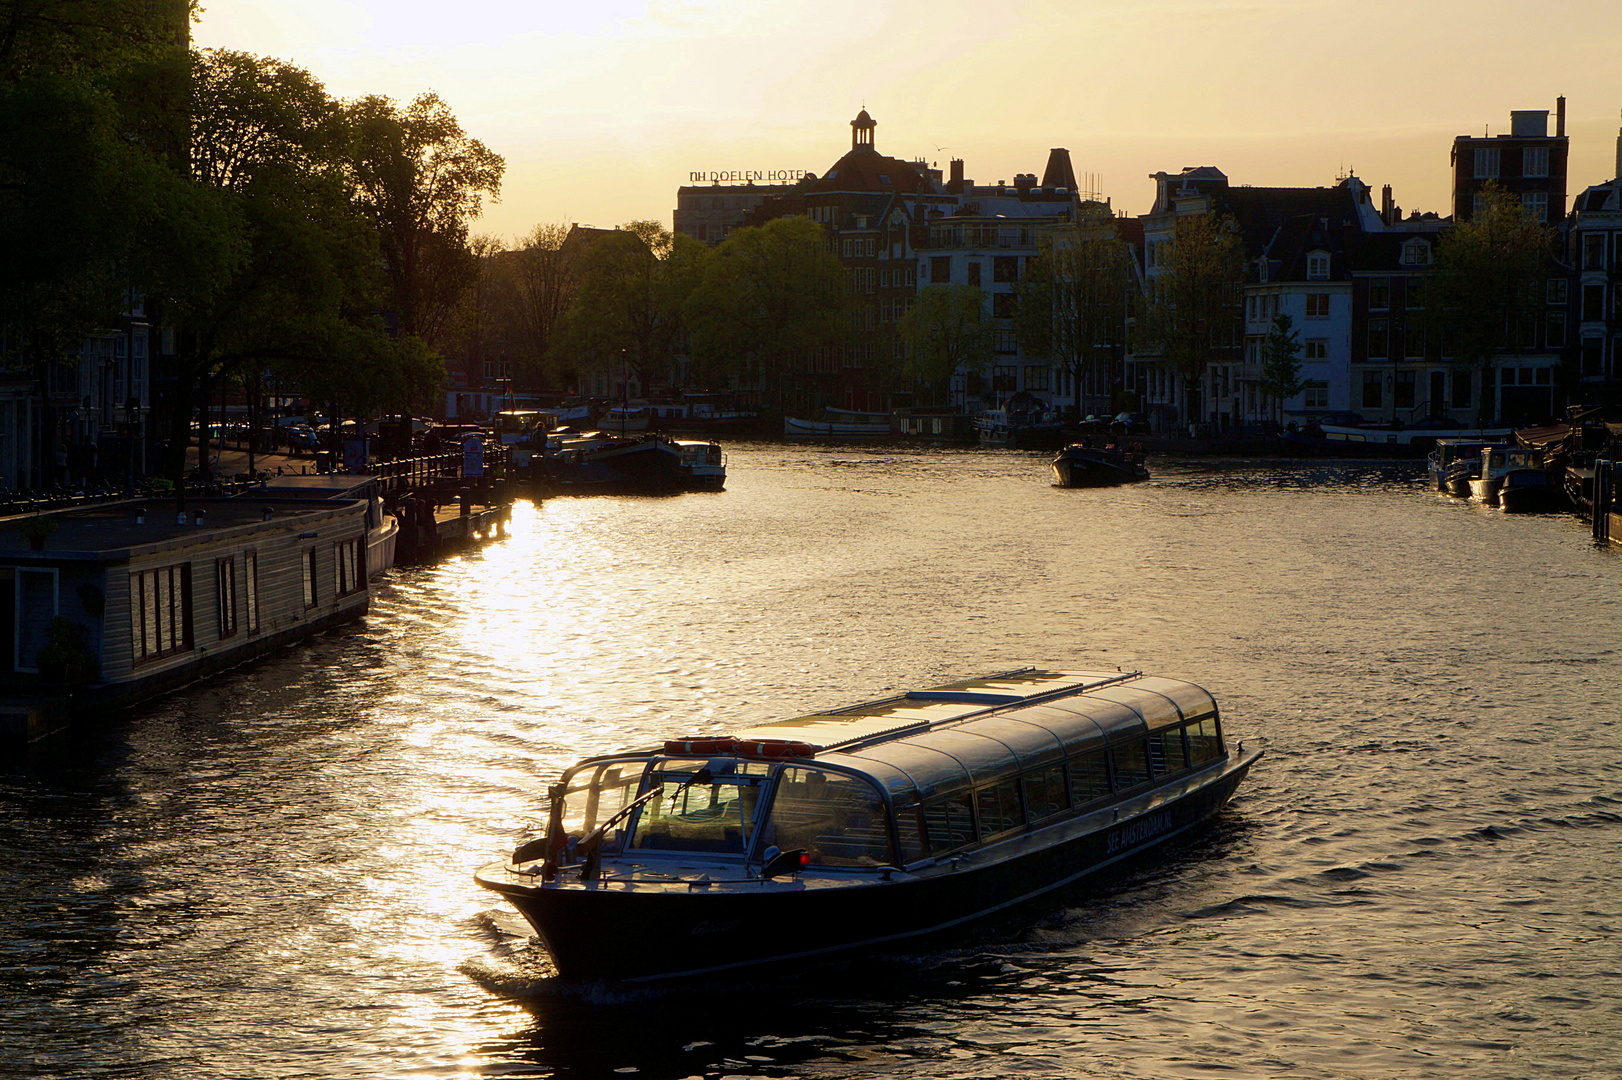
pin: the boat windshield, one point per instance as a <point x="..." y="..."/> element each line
<point x="838" y="819"/>
<point x="717" y="817"/>
<point x="594" y="795"/>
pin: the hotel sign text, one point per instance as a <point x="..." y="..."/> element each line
<point x="744" y="176"/>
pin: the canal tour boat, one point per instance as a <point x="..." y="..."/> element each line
<point x="866" y="827"/>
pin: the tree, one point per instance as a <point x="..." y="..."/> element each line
<point x="946" y="329"/>
<point x="1073" y="299"/>
<point x="1487" y="279"/>
<point x="1194" y="303"/>
<point x="420" y="180"/>
<point x="631" y="288"/>
<point x="541" y="276"/>
<point x="769" y="297"/>
<point x="1281" y="362"/>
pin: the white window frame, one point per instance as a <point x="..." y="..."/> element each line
<point x="1535" y="162"/>
<point x="1486" y="163"/>
<point x="17" y="612"/>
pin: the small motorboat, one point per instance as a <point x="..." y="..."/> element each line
<point x="1528" y="491"/>
<point x="864" y="827"/>
<point x="1497" y="462"/>
<point x="1079" y="465"/>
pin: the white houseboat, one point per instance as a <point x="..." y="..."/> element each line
<point x="114" y="603"/>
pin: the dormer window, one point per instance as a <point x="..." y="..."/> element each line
<point x="1318" y="266"/>
<point x="1416" y="253"/>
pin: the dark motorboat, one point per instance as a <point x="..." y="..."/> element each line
<point x="1528" y="491"/>
<point x="864" y="827"/>
<point x="1078" y="465"/>
<point x="1446" y="456"/>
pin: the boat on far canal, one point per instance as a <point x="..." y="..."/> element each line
<point x="864" y="827"/>
<point x="1078" y="465"/>
<point x="1498" y="462"/>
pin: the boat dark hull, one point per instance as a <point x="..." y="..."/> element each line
<point x="1528" y="498"/>
<point x="1084" y="472"/>
<point x="611" y="933"/>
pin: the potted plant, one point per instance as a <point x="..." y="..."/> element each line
<point x="36" y="529"/>
<point x="64" y="659"/>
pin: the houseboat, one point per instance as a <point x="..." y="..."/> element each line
<point x="600" y="462"/>
<point x="118" y="602"/>
<point x="1078" y="465"/>
<point x="865" y="827"/>
<point x="1024" y="423"/>
<point x="838" y="423"/>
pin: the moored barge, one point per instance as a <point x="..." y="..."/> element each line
<point x="864" y="827"/>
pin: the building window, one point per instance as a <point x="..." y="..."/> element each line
<point x="1556" y="330"/>
<point x="1315" y="395"/>
<point x="160" y="611"/>
<point x="1416" y="253"/>
<point x="1316" y="348"/>
<point x="1379" y="293"/>
<point x="1535" y="205"/>
<point x="1535" y="161"/>
<point x="250" y="588"/>
<point x="1486" y="162"/>
<point x="1592" y="361"/>
<point x="1413" y="339"/>
<point x="309" y="578"/>
<point x="1005" y="377"/>
<point x="1372" y="382"/>
<point x="1594" y="251"/>
<point x="1005" y="268"/>
<point x="845" y="247"/>
<point x="1036" y="377"/>
<point x="1402" y="394"/>
<point x="974" y="275"/>
<point x="1317" y="267"/>
<point x="1461" y="390"/>
<point x="1005" y="342"/>
<point x="1379" y="340"/>
<point x="1593" y="302"/>
<point x="940" y="269"/>
<point x="1002" y="305"/>
<point x="1557" y="290"/>
<point x="1317" y="305"/>
<point x="225" y="594"/>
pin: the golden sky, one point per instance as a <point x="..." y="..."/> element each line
<point x="603" y="107"/>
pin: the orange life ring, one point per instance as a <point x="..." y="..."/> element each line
<point x="775" y="748"/>
<point x="699" y="747"/>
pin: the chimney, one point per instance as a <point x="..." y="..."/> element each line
<point x="1059" y="173"/>
<point x="1386" y="202"/>
<point x="1560" y="117"/>
<point x="955" y="184"/>
<point x="1024" y="182"/>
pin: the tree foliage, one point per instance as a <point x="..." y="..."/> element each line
<point x="947" y="328"/>
<point x="1281" y="361"/>
<point x="1488" y="277"/>
<point x="769" y="297"/>
<point x="1074" y="297"/>
<point x="1194" y="303"/>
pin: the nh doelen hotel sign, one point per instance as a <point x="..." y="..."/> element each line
<point x="744" y="176"/>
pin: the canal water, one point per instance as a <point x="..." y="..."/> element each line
<point x="271" y="875"/>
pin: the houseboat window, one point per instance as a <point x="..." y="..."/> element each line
<point x="1131" y="764"/>
<point x="160" y="611"/>
<point x="250" y="582"/>
<point x="225" y="592"/>
<point x="309" y="577"/>
<point x="1045" y="793"/>
<point x="347" y="566"/>
<point x="595" y="795"/>
<point x="716" y="818"/>
<point x="999" y="808"/>
<point x="1204" y="743"/>
<point x="839" y="819"/>
<point x="909" y="829"/>
<point x="950" y="822"/>
<point x="1089" y="777"/>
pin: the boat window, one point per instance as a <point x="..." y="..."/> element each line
<point x="716" y="817"/>
<point x="1166" y="751"/>
<point x="1045" y="793"/>
<point x="909" y="830"/>
<point x="1131" y="764"/>
<point x="1089" y="777"/>
<point x="999" y="808"/>
<point x="950" y="822"/>
<point x="595" y="795"/>
<point x="838" y="819"/>
<point x="1203" y="741"/>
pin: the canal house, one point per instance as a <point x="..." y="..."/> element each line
<point x="114" y="603"/>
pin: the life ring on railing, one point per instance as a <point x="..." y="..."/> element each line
<point x="774" y="748"/>
<point x="699" y="747"/>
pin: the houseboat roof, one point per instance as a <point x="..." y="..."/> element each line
<point x="930" y="742"/>
<point x="105" y="529"/>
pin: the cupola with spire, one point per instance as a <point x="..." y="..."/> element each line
<point x="861" y="131"/>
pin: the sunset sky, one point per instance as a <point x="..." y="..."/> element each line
<point x="603" y="108"/>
